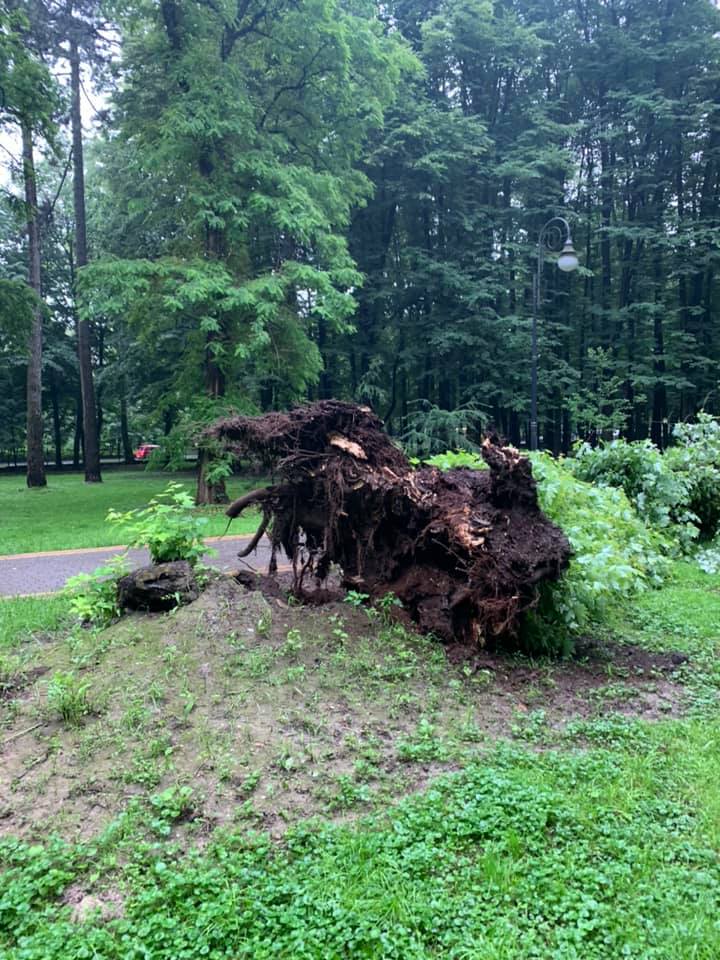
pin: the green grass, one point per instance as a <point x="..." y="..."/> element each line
<point x="26" y="618"/>
<point x="606" y="846"/>
<point x="69" y="513"/>
<point x="586" y="856"/>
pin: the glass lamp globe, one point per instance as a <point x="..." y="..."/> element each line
<point x="568" y="259"/>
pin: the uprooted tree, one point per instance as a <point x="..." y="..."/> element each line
<point x="465" y="551"/>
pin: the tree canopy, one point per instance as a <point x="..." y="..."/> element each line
<point x="300" y="199"/>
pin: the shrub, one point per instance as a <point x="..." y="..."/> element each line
<point x="93" y="596"/>
<point x="614" y="555"/>
<point x="168" y="526"/>
<point x="696" y="460"/>
<point x="660" y="494"/>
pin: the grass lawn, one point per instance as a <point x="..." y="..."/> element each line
<point x="69" y="513"/>
<point x="240" y="779"/>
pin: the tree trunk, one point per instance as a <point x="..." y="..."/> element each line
<point x="35" y="455"/>
<point x="57" y="431"/>
<point x="87" y="387"/>
<point x="124" y="432"/>
<point x="208" y="493"/>
<point x="78" y="436"/>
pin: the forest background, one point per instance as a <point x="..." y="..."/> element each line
<point x="278" y="200"/>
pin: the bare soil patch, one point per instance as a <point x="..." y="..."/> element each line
<point x="272" y="712"/>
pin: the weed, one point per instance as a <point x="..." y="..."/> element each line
<point x="348" y="794"/>
<point x="531" y="726"/>
<point x="424" y="745"/>
<point x="67" y="697"/>
<point x="150" y="763"/>
<point x="295" y="674"/>
<point x="9" y="668"/>
<point x="249" y="784"/>
<point x="385" y="606"/>
<point x="93" y="596"/>
<point x="356" y="599"/>
<point x="175" y="803"/>
<point x="264" y="624"/>
<point x="293" y="642"/>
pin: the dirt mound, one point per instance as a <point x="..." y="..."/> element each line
<point x="272" y="712"/>
<point x="465" y="551"/>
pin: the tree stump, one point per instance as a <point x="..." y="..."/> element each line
<point x="160" y="586"/>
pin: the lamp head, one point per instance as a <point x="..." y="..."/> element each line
<point x="568" y="259"/>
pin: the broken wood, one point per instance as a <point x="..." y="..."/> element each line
<point x="465" y="551"/>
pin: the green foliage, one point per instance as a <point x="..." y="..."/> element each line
<point x="30" y="93"/>
<point x="614" y="555"/>
<point x="169" y="526"/>
<point x="67" y="697"/>
<point x="708" y="559"/>
<point x="356" y="599"/>
<point x="696" y="459"/>
<point x="385" y="606"/>
<point x="456" y="458"/>
<point x="431" y="430"/>
<point x="599" y="403"/>
<point x="190" y="431"/>
<point x="660" y="494"/>
<point x="169" y="806"/>
<point x="17" y="301"/>
<point x="93" y="596"/>
<point x="230" y="183"/>
<point x="603" y="844"/>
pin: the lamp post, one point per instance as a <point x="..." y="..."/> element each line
<point x="555" y="236"/>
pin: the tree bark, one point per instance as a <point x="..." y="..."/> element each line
<point x="35" y="456"/>
<point x="78" y="435"/>
<point x="87" y="386"/>
<point x="57" y="427"/>
<point x="124" y="431"/>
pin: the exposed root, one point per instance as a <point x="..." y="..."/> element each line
<point x="464" y="550"/>
<point x="256" y="539"/>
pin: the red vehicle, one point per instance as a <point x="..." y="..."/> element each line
<point x="144" y="450"/>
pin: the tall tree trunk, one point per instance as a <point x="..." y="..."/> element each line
<point x="87" y="386"/>
<point x="35" y="455"/>
<point x="57" y="429"/>
<point x="207" y="492"/>
<point x="124" y="431"/>
<point x="78" y="435"/>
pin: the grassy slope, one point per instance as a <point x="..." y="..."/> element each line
<point x="69" y="513"/>
<point x="604" y="844"/>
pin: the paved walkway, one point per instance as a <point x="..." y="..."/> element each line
<point x="27" y="573"/>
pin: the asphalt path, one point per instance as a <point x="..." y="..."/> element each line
<point x="27" y="573"/>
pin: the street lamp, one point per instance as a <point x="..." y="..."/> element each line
<point x="554" y="236"/>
